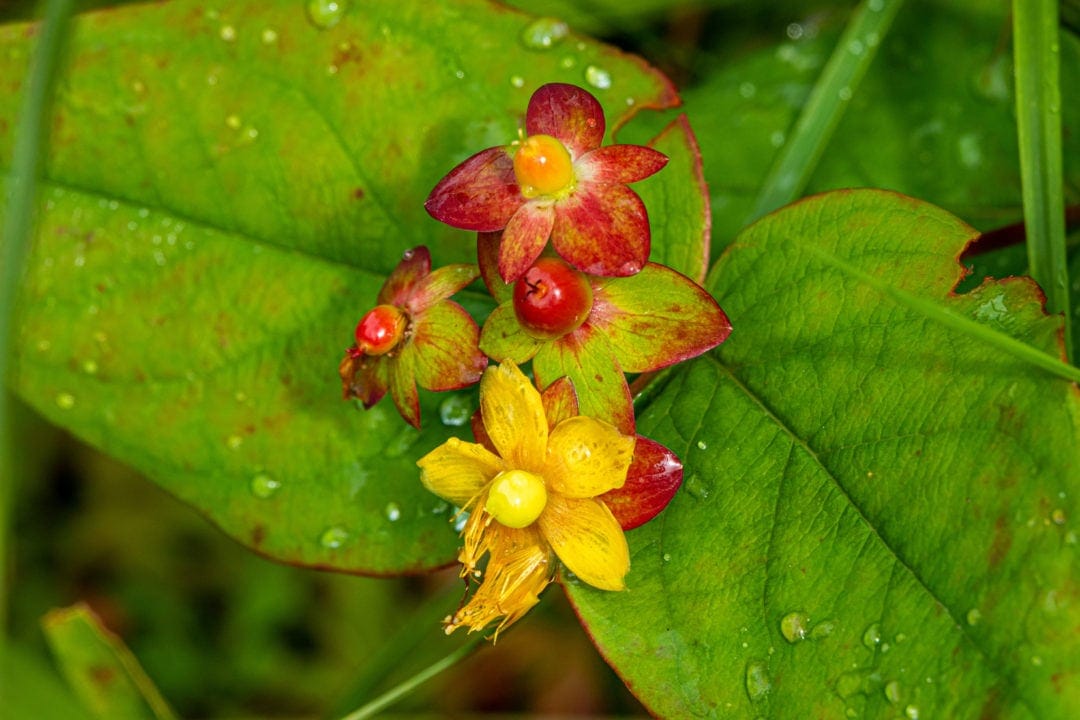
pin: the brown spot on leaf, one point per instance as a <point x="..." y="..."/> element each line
<point x="358" y="193"/>
<point x="101" y="674"/>
<point x="258" y="535"/>
<point x="1001" y="543"/>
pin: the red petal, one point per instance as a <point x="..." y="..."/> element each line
<point x="439" y="285"/>
<point x="364" y="378"/>
<point x="480" y="432"/>
<point x="487" y="255"/>
<point x="602" y="230"/>
<point x="560" y="401"/>
<point x="479" y="194"/>
<point x="414" y="265"/>
<point x="620" y="164"/>
<point x="567" y="113"/>
<point x="524" y="239"/>
<point x="655" y="475"/>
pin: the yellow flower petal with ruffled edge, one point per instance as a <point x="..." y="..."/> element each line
<point x="588" y="540"/>
<point x="514" y="417"/>
<point x="587" y="457"/>
<point x="458" y="471"/>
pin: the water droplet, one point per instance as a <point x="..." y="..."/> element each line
<point x="794" y="31"/>
<point x="544" y="33"/>
<point x="667" y="557"/>
<point x="758" y="684"/>
<point x="900" y="638"/>
<point x="234" y="442"/>
<point x="872" y="637"/>
<point x="872" y="39"/>
<point x="517" y="81"/>
<point x="325" y="14"/>
<point x="822" y="630"/>
<point x="269" y="36"/>
<point x="849" y="684"/>
<point x="333" y="537"/>
<point x="227" y="33"/>
<point x="568" y="62"/>
<point x="263" y="486"/>
<point x="233" y="121"/>
<point x="855" y="47"/>
<point x="794" y="626"/>
<point x="393" y="512"/>
<point x="1058" y="516"/>
<point x="65" y="401"/>
<point x="696" y="487"/>
<point x="777" y="138"/>
<point x="844" y="94"/>
<point x="460" y="518"/>
<point x="1036" y="661"/>
<point x="702" y="445"/>
<point x="747" y="90"/>
<point x="43" y="345"/>
<point x="892" y="691"/>
<point x="441" y="508"/>
<point x="455" y="410"/>
<point x="90" y="367"/>
<point x="912" y="712"/>
<point x="875" y="5"/>
<point x="598" y="77"/>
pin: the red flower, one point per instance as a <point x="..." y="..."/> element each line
<point x="415" y="335"/>
<point x="558" y="183"/>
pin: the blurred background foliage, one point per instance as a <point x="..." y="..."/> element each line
<point x="225" y="633"/>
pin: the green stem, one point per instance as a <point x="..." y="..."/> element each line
<point x="393" y="695"/>
<point x="998" y="340"/>
<point x="15" y="237"/>
<point x="1038" y="119"/>
<point x="828" y="100"/>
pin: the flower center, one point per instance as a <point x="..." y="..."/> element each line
<point x="516" y="498"/>
<point x="380" y="330"/>
<point x="552" y="299"/>
<point x="542" y="166"/>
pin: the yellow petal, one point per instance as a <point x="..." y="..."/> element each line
<point x="457" y="471"/>
<point x="587" y="457"/>
<point x="588" y="540"/>
<point x="514" y="417"/>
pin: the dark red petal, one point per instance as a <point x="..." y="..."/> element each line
<point x="480" y="432"/>
<point x="619" y="164"/>
<point x="414" y="265"/>
<point x="487" y="256"/>
<point x="560" y="401"/>
<point x="479" y="194"/>
<point x="524" y="238"/>
<point x="363" y="377"/>
<point x="567" y="113"/>
<point x="602" y="230"/>
<point x="655" y="475"/>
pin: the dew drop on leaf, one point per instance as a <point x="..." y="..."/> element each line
<point x="758" y="684"/>
<point x="598" y="77"/>
<point x="393" y="512"/>
<point x="872" y="637"/>
<point x="911" y="712"/>
<point x="455" y="410"/>
<point x="333" y="537"/>
<point x="325" y="14"/>
<point x="892" y="691"/>
<point x="263" y="486"/>
<point x="544" y="33"/>
<point x="65" y="401"/>
<point x="90" y="367"/>
<point x="269" y="36"/>
<point x="794" y="626"/>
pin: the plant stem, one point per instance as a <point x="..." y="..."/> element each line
<point x="828" y="100"/>
<point x="401" y="690"/>
<point x="15" y="236"/>
<point x="1038" y="119"/>
<point x="996" y="339"/>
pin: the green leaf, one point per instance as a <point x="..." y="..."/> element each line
<point x="100" y="669"/>
<point x="225" y="193"/>
<point x="878" y="512"/>
<point x="29" y="688"/>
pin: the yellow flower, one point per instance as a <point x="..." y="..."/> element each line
<point x="532" y="500"/>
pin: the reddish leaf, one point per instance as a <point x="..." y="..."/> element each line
<point x="619" y="164"/>
<point x="481" y="193"/>
<point x="525" y="237"/>
<point x="560" y="401"/>
<point x="654" y="476"/>
<point x="602" y="230"/>
<point x="440" y="285"/>
<point x="443" y="352"/>
<point x="414" y="265"/>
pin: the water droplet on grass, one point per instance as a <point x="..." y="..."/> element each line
<point x="794" y="626"/>
<point x="263" y="486"/>
<point x="393" y="512"/>
<point x="702" y="445"/>
<point x="65" y="401"/>
<point x="598" y="77"/>
<point x="325" y="14"/>
<point x="334" y="537"/>
<point x="544" y="33"/>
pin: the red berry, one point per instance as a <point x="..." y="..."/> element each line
<point x="552" y="299"/>
<point x="380" y="330"/>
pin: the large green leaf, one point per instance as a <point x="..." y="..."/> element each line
<point x="225" y="193"/>
<point x="879" y="516"/>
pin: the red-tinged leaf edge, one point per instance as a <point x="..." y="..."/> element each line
<point x="560" y="401"/>
<point x="440" y="285"/>
<point x="481" y="194"/>
<point x="414" y="266"/>
<point x="681" y="127"/>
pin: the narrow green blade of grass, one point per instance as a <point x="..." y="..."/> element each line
<point x="846" y="67"/>
<point x="15" y="232"/>
<point x="1036" y="48"/>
